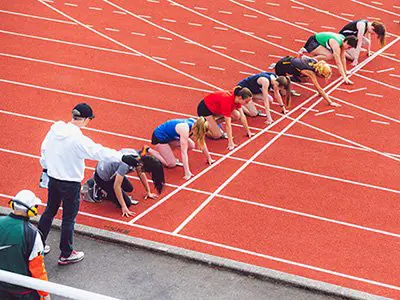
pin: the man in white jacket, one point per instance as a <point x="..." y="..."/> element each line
<point x="64" y="151"/>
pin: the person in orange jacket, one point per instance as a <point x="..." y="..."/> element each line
<point x="21" y="247"/>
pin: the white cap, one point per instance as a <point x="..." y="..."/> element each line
<point x="28" y="198"/>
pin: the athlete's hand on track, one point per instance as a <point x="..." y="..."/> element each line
<point x="269" y="121"/>
<point x="188" y="176"/>
<point x="231" y="146"/>
<point x="127" y="213"/>
<point x="250" y="134"/>
<point x="211" y="161"/>
<point x="334" y="104"/>
<point x="151" y="196"/>
<point x="355" y="62"/>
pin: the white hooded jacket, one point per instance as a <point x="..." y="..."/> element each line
<point x="65" y="149"/>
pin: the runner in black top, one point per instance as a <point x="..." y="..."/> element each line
<point x="363" y="29"/>
<point x="305" y="68"/>
<point x="260" y="84"/>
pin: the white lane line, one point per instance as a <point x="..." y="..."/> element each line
<point x="377" y="8"/>
<point x="50" y="1"/>
<point x="374" y="18"/>
<point x="247" y="51"/>
<point x="275" y="56"/>
<point x="195" y="24"/>
<point x="312" y="109"/>
<point x="300" y="41"/>
<point x="367" y="71"/>
<point x="216" y="68"/>
<point x="246" y="73"/>
<point x="379" y="82"/>
<point x="345" y="116"/>
<point x="377" y="3"/>
<point x="138" y="33"/>
<point x="396" y="6"/>
<point x="169" y="20"/>
<point x="236" y="249"/>
<point x="112" y="29"/>
<point x="351" y="91"/>
<point x="187" y="63"/>
<point x="324" y="112"/>
<point x="69" y="43"/>
<point x="159" y="58"/>
<point x="95" y="8"/>
<point x="380" y="122"/>
<point x="374" y="95"/>
<point x="131" y="49"/>
<point x="347" y="15"/>
<point x="200" y="8"/>
<point x="273" y="4"/>
<point x="119" y="12"/>
<point x="36" y="17"/>
<point x="328" y="27"/>
<point x="274" y="36"/>
<point x="219" y="47"/>
<point x="389" y="54"/>
<point x="297" y="7"/>
<point x="153" y="1"/>
<point x="70" y="4"/>
<point x="220" y="28"/>
<point x="225" y="12"/>
<point x="385" y="70"/>
<point x="250" y="16"/>
<point x="301" y="23"/>
<point x="164" y="38"/>
<point x="144" y="17"/>
<point x="394" y="75"/>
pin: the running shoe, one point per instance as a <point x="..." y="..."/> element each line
<point x="294" y="93"/>
<point x="261" y="114"/>
<point x="179" y="163"/>
<point x="97" y="194"/>
<point x="76" y="256"/>
<point x="46" y="249"/>
<point x="133" y="202"/>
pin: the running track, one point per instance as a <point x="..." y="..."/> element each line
<point x="316" y="194"/>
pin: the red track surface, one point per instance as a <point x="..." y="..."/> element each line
<point x="321" y="201"/>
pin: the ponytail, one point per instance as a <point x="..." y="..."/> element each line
<point x="154" y="166"/>
<point x="242" y="92"/>
<point x="284" y="81"/>
<point x="380" y="31"/>
<point x="321" y="68"/>
<point x="200" y="128"/>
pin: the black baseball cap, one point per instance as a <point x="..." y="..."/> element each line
<point x="83" y="110"/>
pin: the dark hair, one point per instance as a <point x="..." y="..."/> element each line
<point x="242" y="92"/>
<point x="352" y="40"/>
<point x="154" y="166"/>
<point x="285" y="82"/>
<point x="380" y="30"/>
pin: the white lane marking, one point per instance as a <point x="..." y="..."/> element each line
<point x="169" y="20"/>
<point x="366" y="71"/>
<point x="252" y="1"/>
<point x="247" y="51"/>
<point x="119" y="12"/>
<point x="219" y="47"/>
<point x="374" y="18"/>
<point x="374" y="95"/>
<point x="300" y="41"/>
<point x="164" y="38"/>
<point x="376" y="8"/>
<point x="297" y="7"/>
<point x="153" y="1"/>
<point x="312" y="109"/>
<point x="347" y="15"/>
<point x="351" y="91"/>
<point x="36" y="17"/>
<point x="275" y="56"/>
<point x="187" y="63"/>
<point x="49" y="1"/>
<point x="377" y="3"/>
<point x="246" y="73"/>
<point x="70" y="4"/>
<point x="389" y="54"/>
<point x="274" y="36"/>
<point x="112" y="29"/>
<point x="144" y="17"/>
<point x="195" y="24"/>
<point x="159" y="58"/>
<point x="220" y="28"/>
<point x="138" y="33"/>
<point x="225" y="12"/>
<point x="301" y="23"/>
<point x="69" y="43"/>
<point x="385" y="70"/>
<point x="380" y="122"/>
<point x="345" y="116"/>
<point x="324" y="112"/>
<point x="200" y="8"/>
<point x="394" y="75"/>
<point x="250" y="16"/>
<point x="328" y="27"/>
<point x="95" y="8"/>
<point x="273" y="4"/>
<point x="378" y="82"/>
<point x="216" y="68"/>
<point x="396" y="6"/>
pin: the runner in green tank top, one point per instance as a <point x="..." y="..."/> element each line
<point x="329" y="45"/>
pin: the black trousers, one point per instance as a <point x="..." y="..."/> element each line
<point x="68" y="193"/>
<point x="108" y="187"/>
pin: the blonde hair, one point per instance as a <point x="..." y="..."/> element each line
<point x="200" y="128"/>
<point x="380" y="31"/>
<point x="284" y="81"/>
<point x="322" y="69"/>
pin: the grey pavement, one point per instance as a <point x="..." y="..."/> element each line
<point x="128" y="272"/>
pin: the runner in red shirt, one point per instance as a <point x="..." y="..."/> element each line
<point x="229" y="105"/>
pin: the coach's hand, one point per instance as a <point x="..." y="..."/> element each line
<point x="130" y="160"/>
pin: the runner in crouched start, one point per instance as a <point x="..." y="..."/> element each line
<point x="260" y="84"/>
<point x="305" y="68"/>
<point x="110" y="182"/>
